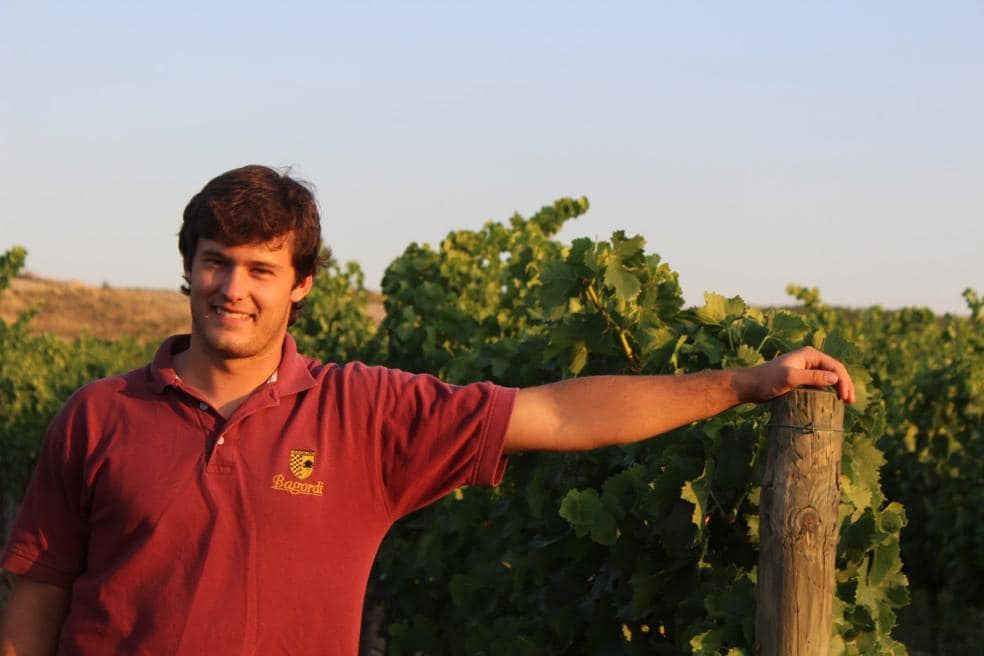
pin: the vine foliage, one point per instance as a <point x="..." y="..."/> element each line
<point x="650" y="548"/>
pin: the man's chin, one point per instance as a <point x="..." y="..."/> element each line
<point x="233" y="353"/>
<point x="231" y="349"/>
<point x="232" y="343"/>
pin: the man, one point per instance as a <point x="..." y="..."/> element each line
<point x="229" y="497"/>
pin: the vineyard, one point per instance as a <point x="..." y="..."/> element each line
<point x="646" y="549"/>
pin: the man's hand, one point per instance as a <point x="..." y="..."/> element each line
<point x="596" y="411"/>
<point x="806" y="367"/>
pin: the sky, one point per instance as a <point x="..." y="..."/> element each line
<point x="837" y="145"/>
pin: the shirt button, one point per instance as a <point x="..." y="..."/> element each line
<point x="203" y="405"/>
<point x="221" y="440"/>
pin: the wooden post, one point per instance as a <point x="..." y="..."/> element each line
<point x="798" y="518"/>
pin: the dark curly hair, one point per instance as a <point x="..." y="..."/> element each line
<point x="255" y="204"/>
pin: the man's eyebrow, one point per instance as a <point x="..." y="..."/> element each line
<point x="265" y="263"/>
<point x="256" y="261"/>
<point x="214" y="252"/>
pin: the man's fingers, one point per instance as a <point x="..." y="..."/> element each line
<point x="811" y="378"/>
<point x="819" y="370"/>
<point x="845" y="386"/>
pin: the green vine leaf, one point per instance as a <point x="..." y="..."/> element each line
<point x="696" y="491"/>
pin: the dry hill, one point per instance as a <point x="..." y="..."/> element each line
<point x="69" y="308"/>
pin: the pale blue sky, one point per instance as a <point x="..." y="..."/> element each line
<point x="833" y="144"/>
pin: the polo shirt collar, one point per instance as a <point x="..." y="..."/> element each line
<point x="292" y="375"/>
<point x="162" y="374"/>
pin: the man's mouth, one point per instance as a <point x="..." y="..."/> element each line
<point x="231" y="314"/>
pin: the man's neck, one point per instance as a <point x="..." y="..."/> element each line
<point x="224" y="382"/>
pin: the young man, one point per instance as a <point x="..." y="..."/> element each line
<point x="229" y="497"/>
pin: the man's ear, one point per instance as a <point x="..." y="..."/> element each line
<point x="301" y="289"/>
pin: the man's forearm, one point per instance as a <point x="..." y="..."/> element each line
<point x="597" y="411"/>
<point x="32" y="619"/>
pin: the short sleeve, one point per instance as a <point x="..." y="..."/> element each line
<point x="48" y="541"/>
<point x="434" y="437"/>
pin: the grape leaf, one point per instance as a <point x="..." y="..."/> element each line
<point x="857" y="538"/>
<point x="581" y="509"/>
<point x="838" y="346"/>
<point x="696" y="492"/>
<point x="559" y="283"/>
<point x="626" y="285"/>
<point x="745" y="356"/>
<point x="586" y="513"/>
<point x="788" y="327"/>
<point x="716" y="308"/>
<point x="707" y="643"/>
<point x="886" y="561"/>
<point x="626" y="248"/>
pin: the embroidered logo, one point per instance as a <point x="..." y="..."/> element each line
<point x="301" y="463"/>
<point x="301" y="466"/>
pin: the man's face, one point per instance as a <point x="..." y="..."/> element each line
<point x="241" y="296"/>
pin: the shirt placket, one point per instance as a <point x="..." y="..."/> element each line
<point x="231" y="565"/>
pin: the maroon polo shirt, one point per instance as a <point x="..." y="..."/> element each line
<point x="179" y="531"/>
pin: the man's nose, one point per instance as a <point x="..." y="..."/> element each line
<point x="234" y="284"/>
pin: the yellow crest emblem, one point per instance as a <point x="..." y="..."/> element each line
<point x="301" y="462"/>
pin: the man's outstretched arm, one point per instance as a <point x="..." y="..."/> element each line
<point x="596" y="411"/>
<point x="32" y="619"/>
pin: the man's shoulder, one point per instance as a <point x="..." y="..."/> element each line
<point x="333" y="373"/>
<point x="378" y="381"/>
<point x="98" y="402"/>
<point x="352" y="378"/>
<point x="135" y="382"/>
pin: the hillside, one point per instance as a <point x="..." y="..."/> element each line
<point x="69" y="308"/>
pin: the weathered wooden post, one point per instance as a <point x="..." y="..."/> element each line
<point x="798" y="517"/>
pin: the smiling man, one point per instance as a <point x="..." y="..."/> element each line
<point x="234" y="490"/>
<point x="241" y="300"/>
